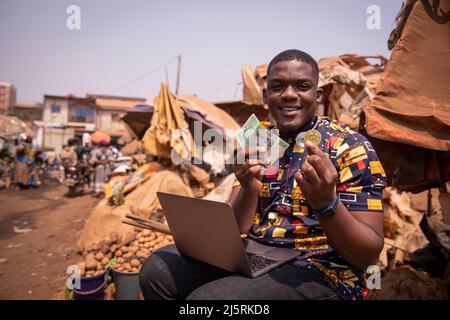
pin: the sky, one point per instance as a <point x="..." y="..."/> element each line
<point x="120" y="42"/>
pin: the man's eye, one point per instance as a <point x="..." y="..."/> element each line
<point x="303" y="86"/>
<point x="275" y="87"/>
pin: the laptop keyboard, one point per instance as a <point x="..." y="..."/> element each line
<point x="257" y="262"/>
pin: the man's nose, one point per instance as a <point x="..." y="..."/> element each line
<point x="289" y="93"/>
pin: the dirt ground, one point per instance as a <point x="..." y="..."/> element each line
<point x="38" y="232"/>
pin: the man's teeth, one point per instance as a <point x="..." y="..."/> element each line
<point x="290" y="108"/>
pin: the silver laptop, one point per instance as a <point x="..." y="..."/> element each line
<point x="207" y="231"/>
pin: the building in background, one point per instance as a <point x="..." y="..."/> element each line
<point x="66" y="117"/>
<point x="27" y="112"/>
<point x="110" y="110"/>
<point x="7" y="96"/>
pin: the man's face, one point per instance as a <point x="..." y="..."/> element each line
<point x="291" y="94"/>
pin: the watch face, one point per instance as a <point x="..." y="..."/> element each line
<point x="330" y="210"/>
<point x="327" y="212"/>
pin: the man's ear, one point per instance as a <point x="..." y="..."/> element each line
<point x="319" y="95"/>
<point x="264" y="95"/>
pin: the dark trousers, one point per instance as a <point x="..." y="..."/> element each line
<point x="168" y="275"/>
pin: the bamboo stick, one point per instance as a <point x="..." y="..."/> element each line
<point x="147" y="223"/>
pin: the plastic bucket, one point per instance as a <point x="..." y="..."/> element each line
<point x="91" y="288"/>
<point x="127" y="285"/>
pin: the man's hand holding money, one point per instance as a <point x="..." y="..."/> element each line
<point x="249" y="173"/>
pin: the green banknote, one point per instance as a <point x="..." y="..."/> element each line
<point x="253" y="135"/>
<point x="248" y="130"/>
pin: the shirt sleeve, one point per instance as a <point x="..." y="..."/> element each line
<point x="361" y="176"/>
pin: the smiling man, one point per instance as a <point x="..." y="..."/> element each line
<point x="324" y="200"/>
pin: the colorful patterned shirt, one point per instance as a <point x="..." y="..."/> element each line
<point x="284" y="217"/>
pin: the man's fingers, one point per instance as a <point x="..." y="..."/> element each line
<point x="302" y="182"/>
<point x="317" y="159"/>
<point x="319" y="164"/>
<point x="310" y="174"/>
<point x="325" y="169"/>
<point x="256" y="171"/>
<point x="312" y="149"/>
<point x="241" y="169"/>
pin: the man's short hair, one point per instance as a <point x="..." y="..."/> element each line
<point x="294" y="54"/>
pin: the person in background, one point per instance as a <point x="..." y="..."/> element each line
<point x="68" y="156"/>
<point x="52" y="165"/>
<point x="101" y="156"/>
<point x="5" y="165"/>
<point x="21" y="167"/>
<point x="32" y="160"/>
<point x="5" y="179"/>
<point x="86" y="169"/>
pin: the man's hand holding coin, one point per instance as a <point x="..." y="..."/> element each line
<point x="317" y="177"/>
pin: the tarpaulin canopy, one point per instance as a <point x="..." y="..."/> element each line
<point x="253" y="79"/>
<point x="408" y="120"/>
<point x="138" y="119"/>
<point x="142" y="108"/>
<point x="168" y="129"/>
<point x="348" y="82"/>
<point x="412" y="101"/>
<point x="207" y="113"/>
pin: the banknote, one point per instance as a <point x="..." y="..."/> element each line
<point x="252" y="134"/>
<point x="248" y="130"/>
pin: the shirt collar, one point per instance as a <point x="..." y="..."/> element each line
<point x="290" y="137"/>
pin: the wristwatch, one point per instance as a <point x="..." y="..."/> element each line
<point x="329" y="210"/>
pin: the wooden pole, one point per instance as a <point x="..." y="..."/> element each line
<point x="146" y="223"/>
<point x="178" y="75"/>
<point x="146" y="226"/>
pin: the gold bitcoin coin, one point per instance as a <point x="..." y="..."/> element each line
<point x="313" y="136"/>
